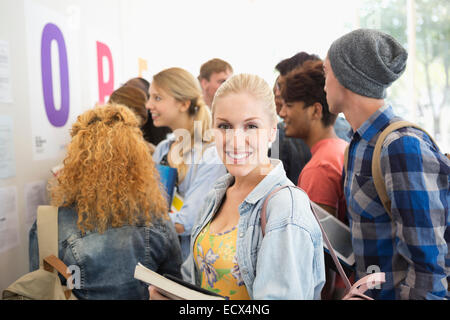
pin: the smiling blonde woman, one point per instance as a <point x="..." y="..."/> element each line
<point x="229" y="254"/>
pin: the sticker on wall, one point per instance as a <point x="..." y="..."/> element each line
<point x="53" y="79"/>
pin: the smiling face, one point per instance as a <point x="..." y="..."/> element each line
<point x="297" y="119"/>
<point x="242" y="131"/>
<point x="165" y="109"/>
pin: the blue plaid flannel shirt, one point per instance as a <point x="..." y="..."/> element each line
<point x="413" y="248"/>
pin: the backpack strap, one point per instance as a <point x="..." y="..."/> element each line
<point x="47" y="232"/>
<point x="378" y="179"/>
<point x="314" y="207"/>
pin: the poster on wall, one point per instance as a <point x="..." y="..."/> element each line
<point x="9" y="221"/>
<point x="5" y="73"/>
<point x="53" y="73"/>
<point x="35" y="196"/>
<point x="7" y="162"/>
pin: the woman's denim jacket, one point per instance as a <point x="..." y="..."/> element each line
<point x="106" y="261"/>
<point x="288" y="262"/>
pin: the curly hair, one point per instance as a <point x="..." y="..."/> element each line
<point x="306" y="83"/>
<point x="108" y="174"/>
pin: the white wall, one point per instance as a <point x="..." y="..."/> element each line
<point x="252" y="35"/>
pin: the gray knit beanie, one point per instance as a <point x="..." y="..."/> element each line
<point x="367" y="61"/>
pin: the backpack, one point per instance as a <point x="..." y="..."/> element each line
<point x="44" y="283"/>
<point x="377" y="176"/>
<point x="376" y="161"/>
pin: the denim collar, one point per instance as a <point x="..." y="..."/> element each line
<point x="276" y="176"/>
<point x="379" y="120"/>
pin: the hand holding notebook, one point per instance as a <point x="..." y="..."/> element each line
<point x="172" y="287"/>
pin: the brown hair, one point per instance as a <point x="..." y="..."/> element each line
<point x="213" y="66"/>
<point x="134" y="99"/>
<point x="109" y="175"/>
<point x="139" y="83"/>
<point x="305" y="84"/>
<point x="289" y="64"/>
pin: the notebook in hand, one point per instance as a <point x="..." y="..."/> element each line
<point x="173" y="288"/>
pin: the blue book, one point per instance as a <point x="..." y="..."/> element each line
<point x="168" y="176"/>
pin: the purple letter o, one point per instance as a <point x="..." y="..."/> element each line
<point x="57" y="118"/>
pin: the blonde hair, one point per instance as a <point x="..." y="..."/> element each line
<point x="183" y="86"/>
<point x="250" y="84"/>
<point x="108" y="174"/>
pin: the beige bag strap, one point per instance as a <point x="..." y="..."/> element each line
<point x="378" y="180"/>
<point x="47" y="232"/>
<point x="52" y="263"/>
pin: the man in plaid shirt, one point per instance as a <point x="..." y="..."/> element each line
<point x="411" y="248"/>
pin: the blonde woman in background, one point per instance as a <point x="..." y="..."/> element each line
<point x="176" y="102"/>
<point x="229" y="254"/>
<point x="111" y="213"/>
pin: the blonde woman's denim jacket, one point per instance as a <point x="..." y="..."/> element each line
<point x="288" y="262"/>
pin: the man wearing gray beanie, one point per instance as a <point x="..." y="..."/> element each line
<point x="408" y="239"/>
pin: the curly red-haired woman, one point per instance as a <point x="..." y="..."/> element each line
<point x="111" y="214"/>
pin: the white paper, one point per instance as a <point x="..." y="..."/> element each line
<point x="9" y="222"/>
<point x="7" y="163"/>
<point x="35" y="196"/>
<point x="5" y="73"/>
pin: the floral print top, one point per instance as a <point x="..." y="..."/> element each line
<point x="215" y="256"/>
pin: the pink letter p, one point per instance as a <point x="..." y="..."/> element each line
<point x="104" y="88"/>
